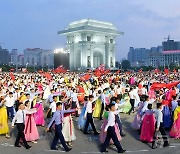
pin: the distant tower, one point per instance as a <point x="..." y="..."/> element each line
<point x="91" y="43"/>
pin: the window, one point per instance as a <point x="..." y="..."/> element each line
<point x="111" y="61"/>
<point x="88" y="38"/>
<point x="111" y="40"/>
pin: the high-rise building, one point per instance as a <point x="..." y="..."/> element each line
<point x="4" y="56"/>
<point x="39" y="57"/>
<point x="170" y="45"/>
<point x="14" y="57"/>
<point x="137" y="56"/>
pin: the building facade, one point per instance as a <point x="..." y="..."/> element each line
<point x="4" y="56"/>
<point x="91" y="43"/>
<point x="14" y="57"/>
<point x="39" y="57"/>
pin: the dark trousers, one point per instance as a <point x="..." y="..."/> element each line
<point x="111" y="134"/>
<point x="10" y="111"/>
<point x="163" y="133"/>
<point x="89" y="121"/>
<point x="132" y="101"/>
<point x="59" y="136"/>
<point x="102" y="110"/>
<point x="20" y="127"/>
<point x="118" y="121"/>
<point x="74" y="106"/>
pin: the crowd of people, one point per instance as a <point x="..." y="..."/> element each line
<point x="152" y="98"/>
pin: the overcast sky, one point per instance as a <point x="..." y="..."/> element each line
<point x="34" y="23"/>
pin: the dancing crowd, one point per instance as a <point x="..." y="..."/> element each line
<point x="54" y="101"/>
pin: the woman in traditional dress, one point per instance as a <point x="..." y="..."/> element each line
<point x="81" y="120"/>
<point x="30" y="130"/>
<point x="175" y="130"/>
<point x="4" y="129"/>
<point x="39" y="115"/>
<point x="105" y="121"/>
<point x="136" y="124"/>
<point x="166" y="113"/>
<point x="68" y="127"/>
<point x="126" y="102"/>
<point x="148" y="125"/>
<point x="98" y="106"/>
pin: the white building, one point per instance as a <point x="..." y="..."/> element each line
<point x="91" y="43"/>
<point x="39" y="57"/>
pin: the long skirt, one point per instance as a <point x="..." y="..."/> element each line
<point x="4" y="129"/>
<point x="97" y="110"/>
<point x="136" y="124"/>
<point x="82" y="121"/>
<point x="148" y="128"/>
<point x="39" y="115"/>
<point x="175" y="130"/>
<point x="68" y="129"/>
<point x="30" y="131"/>
<point x="103" y="134"/>
<point x="166" y="117"/>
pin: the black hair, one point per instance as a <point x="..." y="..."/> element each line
<point x="111" y="105"/>
<point x="54" y="97"/>
<point x="58" y="104"/>
<point x="86" y="98"/>
<point x="26" y="102"/>
<point x="149" y="106"/>
<point x="10" y="93"/>
<point x="159" y="105"/>
<point x="91" y="96"/>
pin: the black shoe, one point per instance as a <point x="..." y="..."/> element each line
<point x="28" y="147"/>
<point x="121" y="151"/>
<point x="123" y="135"/>
<point x="54" y="148"/>
<point x="86" y="133"/>
<point x="166" y="144"/>
<point x="154" y="147"/>
<point x="17" y="146"/>
<point x="104" y="151"/>
<point x="68" y="149"/>
<point x="96" y="133"/>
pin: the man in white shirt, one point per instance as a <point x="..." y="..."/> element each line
<point x="159" y="127"/>
<point x="110" y="129"/>
<point x="103" y="101"/>
<point x="52" y="107"/>
<point x="19" y="119"/>
<point x="88" y="116"/>
<point x="132" y="99"/>
<point x="10" y="101"/>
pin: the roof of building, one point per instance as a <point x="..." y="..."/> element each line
<point x="91" y="25"/>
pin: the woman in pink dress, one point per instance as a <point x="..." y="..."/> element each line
<point x="30" y="130"/>
<point x="39" y="115"/>
<point x="148" y="125"/>
<point x="103" y="134"/>
<point x="175" y="130"/>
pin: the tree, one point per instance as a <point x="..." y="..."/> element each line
<point x="126" y="64"/>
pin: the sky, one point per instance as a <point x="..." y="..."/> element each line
<point x="35" y="23"/>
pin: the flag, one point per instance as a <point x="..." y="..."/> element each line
<point x="156" y="70"/>
<point x="12" y="76"/>
<point x="48" y="76"/>
<point x="140" y="71"/>
<point x="118" y="71"/>
<point x="166" y="70"/>
<point x="174" y="71"/>
<point x="85" y="77"/>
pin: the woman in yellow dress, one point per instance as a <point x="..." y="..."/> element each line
<point x="98" y="106"/>
<point x="4" y="129"/>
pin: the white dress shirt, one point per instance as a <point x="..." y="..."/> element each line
<point x="20" y="116"/>
<point x="53" y="106"/>
<point x="159" y="117"/>
<point x="111" y="119"/>
<point x="9" y="101"/>
<point x="88" y="108"/>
